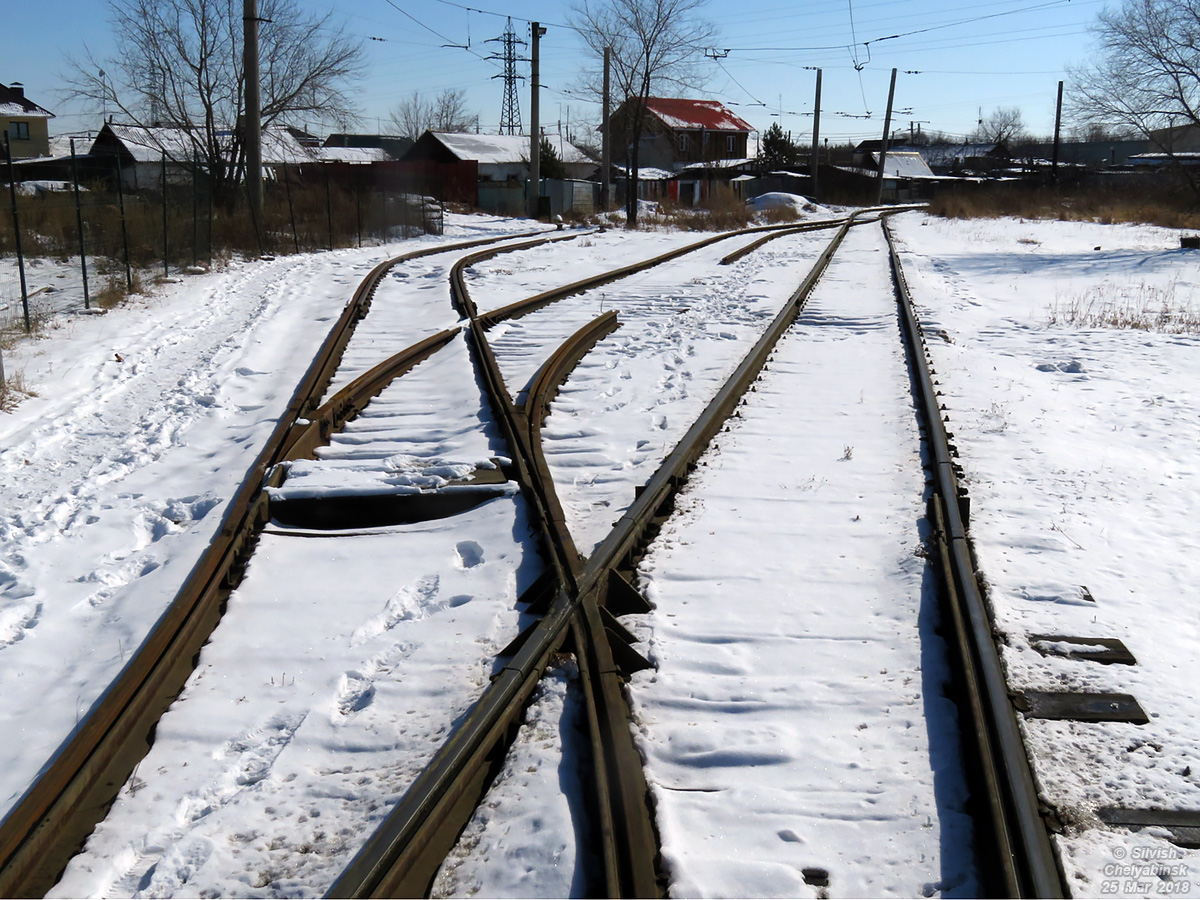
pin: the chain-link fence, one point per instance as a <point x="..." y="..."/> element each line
<point x="92" y="233"/>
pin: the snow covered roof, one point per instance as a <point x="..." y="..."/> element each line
<point x="708" y="115"/>
<point x="356" y="155"/>
<point x="281" y="147"/>
<point x="718" y="164"/>
<point x="1157" y="159"/>
<point x="646" y="173"/>
<point x="906" y="164"/>
<point x="13" y="103"/>
<point x="60" y="144"/>
<point x="148" y="144"/>
<point x="498" y="149"/>
<point x="948" y="154"/>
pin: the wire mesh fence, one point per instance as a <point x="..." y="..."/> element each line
<point x="87" y="242"/>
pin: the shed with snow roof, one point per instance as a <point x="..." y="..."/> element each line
<point x="501" y="157"/>
<point x="140" y="153"/>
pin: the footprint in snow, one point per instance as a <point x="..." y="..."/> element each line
<point x="413" y="601"/>
<point x="355" y="693"/>
<point x="18" y="620"/>
<point x="1074" y="367"/>
<point x="469" y="553"/>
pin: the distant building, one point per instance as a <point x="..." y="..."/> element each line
<point x="138" y="154"/>
<point x="395" y="145"/>
<point x="677" y="132"/>
<point x="26" y="124"/>
<point x="501" y="157"/>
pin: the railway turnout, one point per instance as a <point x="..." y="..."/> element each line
<point x="440" y="467"/>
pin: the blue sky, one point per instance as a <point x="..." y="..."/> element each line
<point x="967" y="55"/>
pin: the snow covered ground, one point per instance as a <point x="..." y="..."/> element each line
<point x="115" y="473"/>
<point x="795" y="725"/>
<point x="1079" y="446"/>
<point x="306" y="718"/>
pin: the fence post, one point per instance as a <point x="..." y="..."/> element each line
<point x="329" y="208"/>
<point x="124" y="229"/>
<point x="12" y="190"/>
<point x="166" y="243"/>
<point x="79" y="220"/>
<point x="195" y="208"/>
<point x="358" y="209"/>
<point x="287" y="187"/>
<point x="209" y="194"/>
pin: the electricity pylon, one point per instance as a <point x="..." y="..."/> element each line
<point x="510" y="112"/>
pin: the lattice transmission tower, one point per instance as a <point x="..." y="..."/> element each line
<point x="510" y="112"/>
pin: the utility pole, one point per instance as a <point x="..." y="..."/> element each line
<point x="535" y="136"/>
<point x="510" y="111"/>
<point x="815" y="165"/>
<point x="887" y="130"/>
<point x="1057" y="132"/>
<point x="253" y="117"/>
<point x="605" y="139"/>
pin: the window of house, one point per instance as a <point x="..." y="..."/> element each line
<point x="685" y="143"/>
<point x="730" y="144"/>
<point x="18" y="131"/>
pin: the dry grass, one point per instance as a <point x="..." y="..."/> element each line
<point x="1140" y="307"/>
<point x="13" y="390"/>
<point x="114" y="291"/>
<point x="722" y="211"/>
<point x="780" y="215"/>
<point x="1153" y="205"/>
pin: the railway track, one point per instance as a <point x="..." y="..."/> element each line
<point x="578" y="601"/>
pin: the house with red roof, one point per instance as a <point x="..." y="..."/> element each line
<point x="678" y="132"/>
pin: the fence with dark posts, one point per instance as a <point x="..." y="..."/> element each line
<point x="118" y="237"/>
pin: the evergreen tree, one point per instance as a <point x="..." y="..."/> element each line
<point x="549" y="165"/>
<point x="777" y="149"/>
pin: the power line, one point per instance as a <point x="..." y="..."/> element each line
<point x="892" y="37"/>
<point x="488" y="12"/>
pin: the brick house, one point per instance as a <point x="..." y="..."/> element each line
<point x="26" y="124"/>
<point x="679" y="132"/>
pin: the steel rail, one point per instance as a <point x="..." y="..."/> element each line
<point x="581" y="610"/>
<point x="74" y="788"/>
<point x="329" y="356"/>
<point x="626" y="534"/>
<point x="1020" y="850"/>
<point x="462" y="299"/>
<point x="316" y="429"/>
<point x="537" y="301"/>
<point x="742" y="252"/>
<point x="629" y="841"/>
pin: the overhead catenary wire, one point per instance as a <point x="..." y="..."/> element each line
<point x="892" y="37"/>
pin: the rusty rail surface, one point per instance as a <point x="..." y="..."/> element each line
<point x="72" y="792"/>
<point x="458" y="293"/>
<point x="400" y="859"/>
<point x="1016" y="852"/>
<point x="537" y="301"/>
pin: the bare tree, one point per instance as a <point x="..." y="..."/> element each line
<point x="447" y="112"/>
<point x="179" y="65"/>
<point x="654" y="44"/>
<point x="1003" y="125"/>
<point x="1146" y="77"/>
